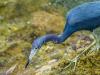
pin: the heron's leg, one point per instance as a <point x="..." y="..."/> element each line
<point x="74" y="60"/>
<point x="96" y="34"/>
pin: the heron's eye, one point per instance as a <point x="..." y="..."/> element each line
<point x="36" y="48"/>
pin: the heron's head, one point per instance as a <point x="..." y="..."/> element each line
<point x="36" y="45"/>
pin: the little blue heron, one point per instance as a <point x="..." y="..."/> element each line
<point x="83" y="17"/>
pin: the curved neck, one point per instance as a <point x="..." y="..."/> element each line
<point x="59" y="38"/>
<point x="65" y="35"/>
<point x="51" y="37"/>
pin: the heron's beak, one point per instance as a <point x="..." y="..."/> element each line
<point x="27" y="63"/>
<point x="32" y="54"/>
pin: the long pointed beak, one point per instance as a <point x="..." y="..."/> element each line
<point x="27" y="63"/>
<point x="32" y="53"/>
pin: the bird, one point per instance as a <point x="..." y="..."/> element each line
<point x="85" y="16"/>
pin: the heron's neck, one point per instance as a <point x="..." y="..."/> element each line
<point x="56" y="38"/>
<point x="51" y="37"/>
<point x="59" y="38"/>
<point x="65" y="35"/>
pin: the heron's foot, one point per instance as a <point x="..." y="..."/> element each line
<point x="75" y="63"/>
<point x="72" y="64"/>
<point x="97" y="47"/>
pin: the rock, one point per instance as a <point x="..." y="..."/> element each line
<point x="52" y="61"/>
<point x="46" y="68"/>
<point x="9" y="71"/>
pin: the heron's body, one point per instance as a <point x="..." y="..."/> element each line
<point x="82" y="17"/>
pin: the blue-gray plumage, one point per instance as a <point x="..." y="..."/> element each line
<point x="82" y="17"/>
